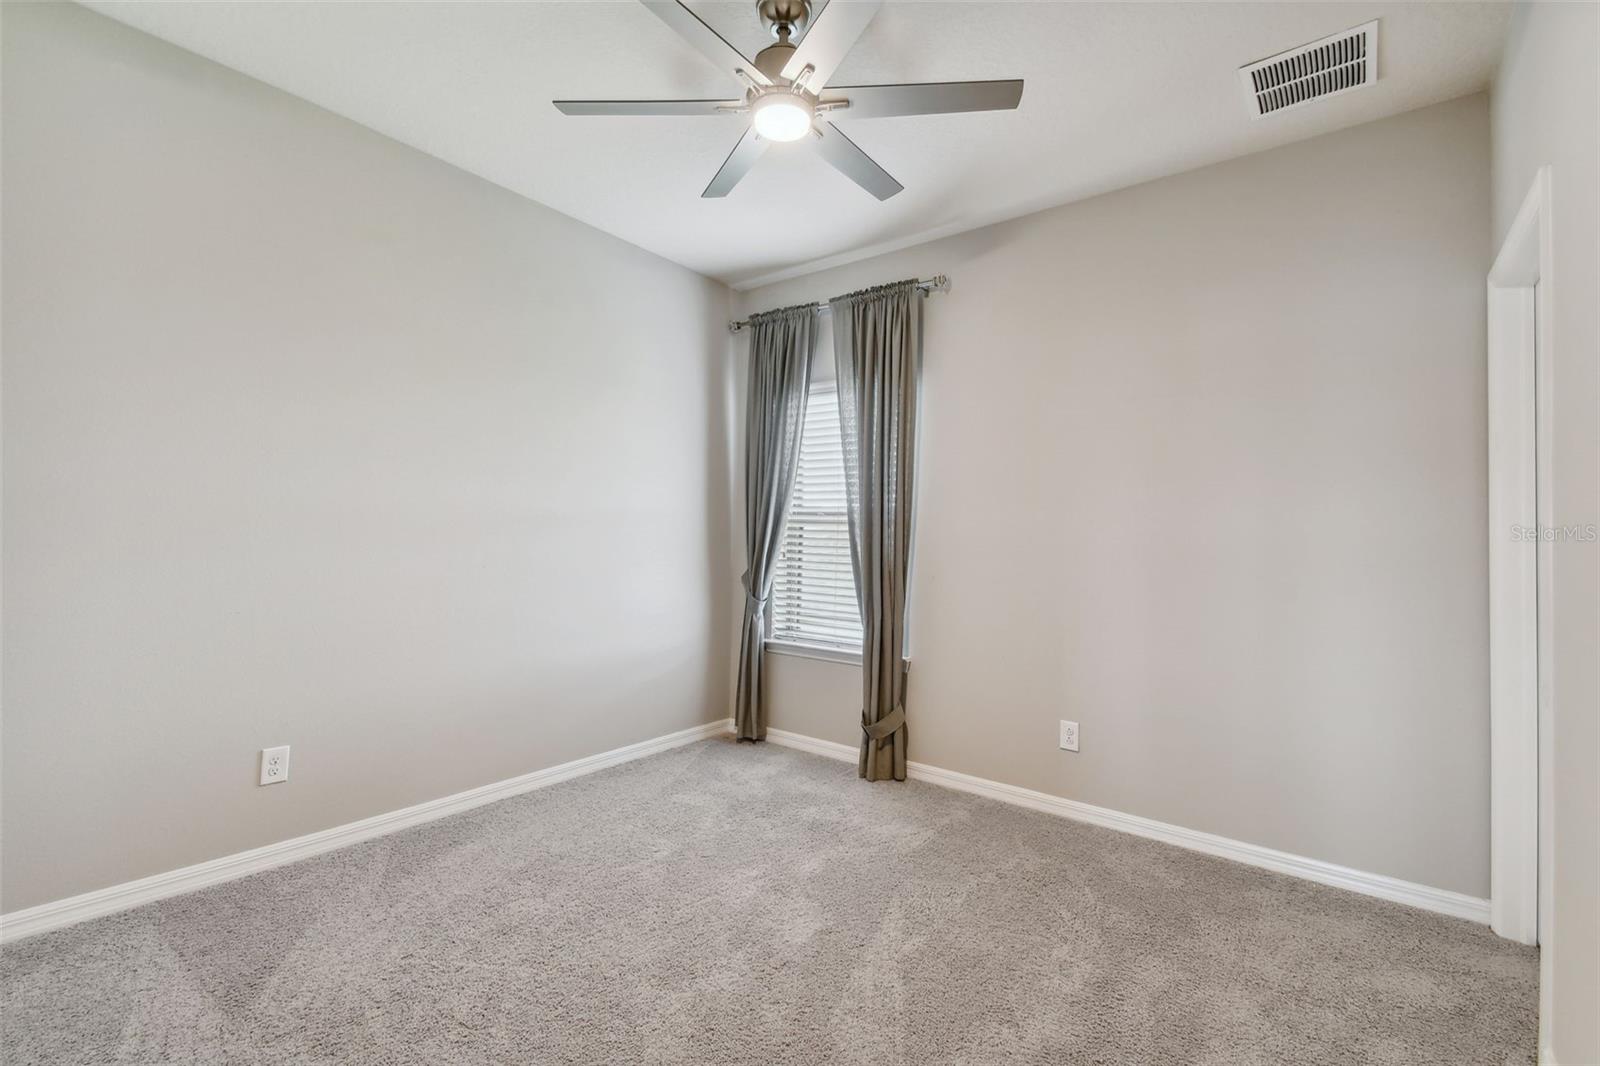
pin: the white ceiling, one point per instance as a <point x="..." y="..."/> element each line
<point x="1117" y="93"/>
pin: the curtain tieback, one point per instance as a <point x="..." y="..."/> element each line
<point x="753" y="604"/>
<point x="886" y="725"/>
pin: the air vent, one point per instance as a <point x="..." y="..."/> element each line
<point x="1313" y="71"/>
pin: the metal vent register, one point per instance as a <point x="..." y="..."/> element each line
<point x="1328" y="67"/>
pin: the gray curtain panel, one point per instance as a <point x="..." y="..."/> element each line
<point x="781" y="346"/>
<point x="877" y="349"/>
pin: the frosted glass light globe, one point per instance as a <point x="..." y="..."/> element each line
<point x="781" y="116"/>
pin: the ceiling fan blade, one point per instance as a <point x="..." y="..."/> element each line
<point x="830" y="36"/>
<point x="925" y="98"/>
<point x="853" y="163"/>
<point x="707" y="41"/>
<point x="647" y="107"/>
<point x="737" y="165"/>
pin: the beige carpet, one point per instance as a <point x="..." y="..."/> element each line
<point x="749" y="904"/>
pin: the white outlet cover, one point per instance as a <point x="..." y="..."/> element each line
<point x="274" y="765"/>
<point x="1069" y="736"/>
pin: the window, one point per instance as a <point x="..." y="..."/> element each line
<point x="814" y="590"/>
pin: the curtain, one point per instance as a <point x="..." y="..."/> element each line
<point x="781" y="346"/>
<point x="877" y="349"/>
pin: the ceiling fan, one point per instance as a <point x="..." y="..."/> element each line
<point x="786" y="92"/>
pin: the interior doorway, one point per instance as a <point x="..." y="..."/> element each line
<point x="1520" y="298"/>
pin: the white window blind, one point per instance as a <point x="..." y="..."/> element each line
<point x="814" y="593"/>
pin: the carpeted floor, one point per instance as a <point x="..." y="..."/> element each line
<point x="750" y="904"/>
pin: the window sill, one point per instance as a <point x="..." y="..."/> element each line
<point x="814" y="651"/>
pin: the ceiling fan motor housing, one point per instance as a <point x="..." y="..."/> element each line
<point x="772" y="59"/>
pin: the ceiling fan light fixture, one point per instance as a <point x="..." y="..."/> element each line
<point x="781" y="116"/>
<point x="784" y="84"/>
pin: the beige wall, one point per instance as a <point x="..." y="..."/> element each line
<point x="1547" y="112"/>
<point x="1203" y="469"/>
<point x="311" y="439"/>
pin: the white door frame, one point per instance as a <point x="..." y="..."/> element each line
<point x="1519" y="337"/>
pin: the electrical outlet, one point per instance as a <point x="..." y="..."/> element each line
<point x="1069" y="736"/>
<point x="274" y="765"/>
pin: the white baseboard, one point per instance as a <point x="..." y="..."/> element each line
<point x="1441" y="901"/>
<point x="48" y="916"/>
<point x="131" y="894"/>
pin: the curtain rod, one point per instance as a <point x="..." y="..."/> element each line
<point x="937" y="283"/>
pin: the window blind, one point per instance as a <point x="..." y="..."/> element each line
<point x="814" y="593"/>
